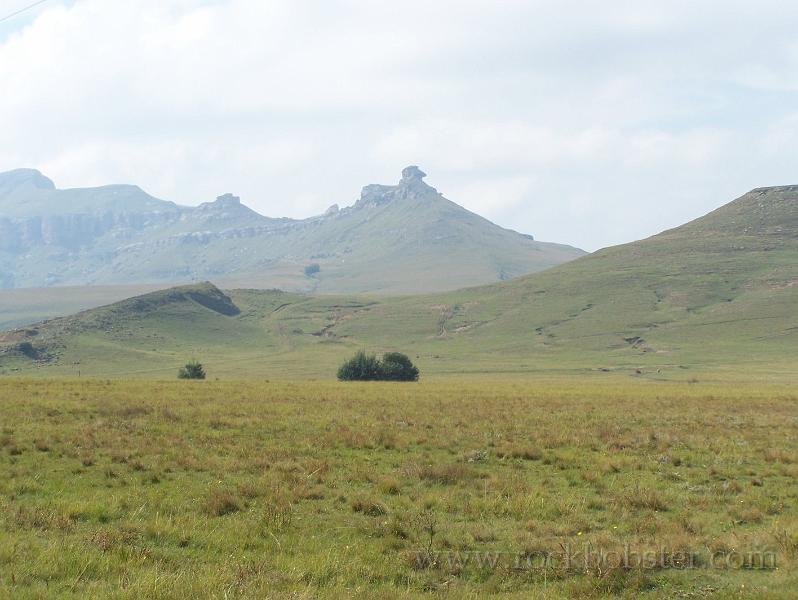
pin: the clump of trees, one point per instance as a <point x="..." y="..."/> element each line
<point x="312" y="269"/>
<point x="394" y="366"/>
<point x="192" y="370"/>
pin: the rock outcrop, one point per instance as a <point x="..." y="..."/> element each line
<point x="411" y="185"/>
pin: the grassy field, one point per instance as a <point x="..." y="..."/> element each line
<point x="251" y="489"/>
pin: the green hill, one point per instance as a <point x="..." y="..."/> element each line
<point x="23" y="306"/>
<point x="398" y="239"/>
<point x="715" y="298"/>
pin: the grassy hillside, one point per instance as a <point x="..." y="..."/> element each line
<point x="715" y="298"/>
<point x="23" y="306"/>
<point x="150" y="490"/>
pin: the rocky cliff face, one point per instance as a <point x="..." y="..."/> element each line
<point x="74" y="231"/>
<point x="34" y="213"/>
<point x="120" y="234"/>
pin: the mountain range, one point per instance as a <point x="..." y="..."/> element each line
<point x="395" y="239"/>
<point x="715" y="298"/>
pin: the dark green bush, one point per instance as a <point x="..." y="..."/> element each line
<point x="361" y="367"/>
<point x="27" y="349"/>
<point x="394" y="366"/>
<point x="192" y="370"/>
<point x="398" y="367"/>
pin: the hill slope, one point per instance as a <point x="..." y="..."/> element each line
<point x="403" y="238"/>
<point x="717" y="297"/>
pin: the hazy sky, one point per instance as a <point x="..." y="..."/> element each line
<point x="590" y="123"/>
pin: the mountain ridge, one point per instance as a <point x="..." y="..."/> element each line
<point x="122" y="235"/>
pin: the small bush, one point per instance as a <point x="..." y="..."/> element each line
<point x="361" y="367"/>
<point x="192" y="370"/>
<point x="398" y="367"/>
<point x="394" y="366"/>
<point x="27" y="349"/>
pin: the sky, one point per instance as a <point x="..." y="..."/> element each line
<point x="581" y="122"/>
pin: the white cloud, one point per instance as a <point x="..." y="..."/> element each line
<point x="495" y="197"/>
<point x="576" y="121"/>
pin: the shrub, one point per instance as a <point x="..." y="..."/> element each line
<point x="394" y="366"/>
<point x="312" y="269"/>
<point x="361" y="367"/>
<point x="27" y="349"/>
<point x="192" y="370"/>
<point x="398" y="367"/>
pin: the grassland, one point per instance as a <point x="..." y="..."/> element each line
<point x="716" y="299"/>
<point x="165" y="489"/>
